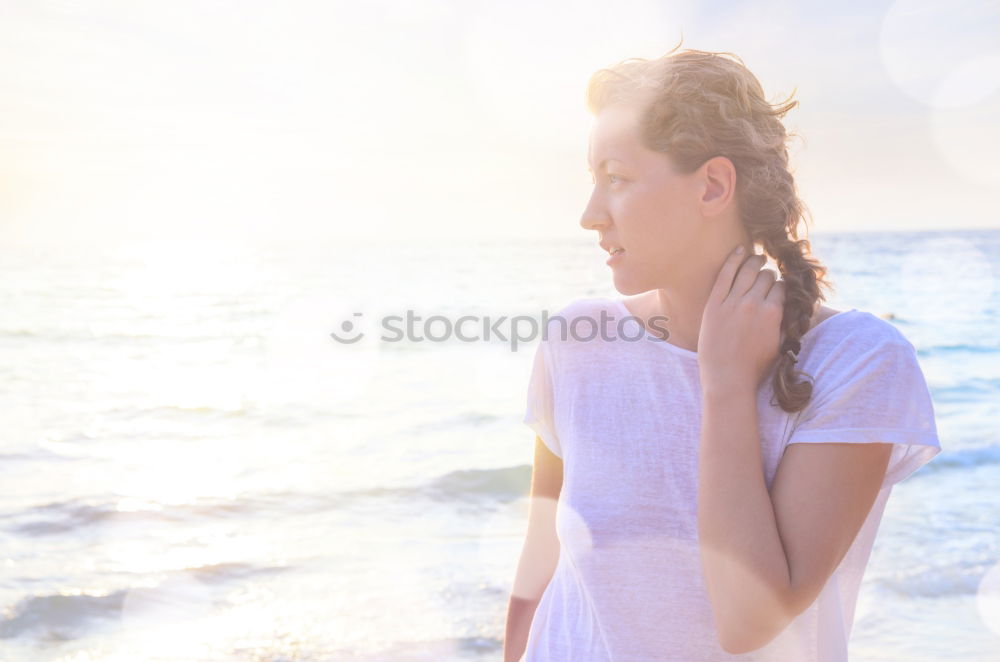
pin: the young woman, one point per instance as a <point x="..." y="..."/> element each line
<point x="714" y="451"/>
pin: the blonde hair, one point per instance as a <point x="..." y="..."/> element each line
<point x="701" y="104"/>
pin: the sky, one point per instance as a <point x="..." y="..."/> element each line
<point x="453" y="119"/>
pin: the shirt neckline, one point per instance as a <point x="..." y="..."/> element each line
<point x="669" y="346"/>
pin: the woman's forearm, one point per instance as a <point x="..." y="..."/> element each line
<point x="520" y="612"/>
<point x="535" y="569"/>
<point x="745" y="568"/>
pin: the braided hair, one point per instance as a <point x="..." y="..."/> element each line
<point x="702" y="104"/>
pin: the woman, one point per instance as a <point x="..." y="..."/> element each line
<point x="715" y="450"/>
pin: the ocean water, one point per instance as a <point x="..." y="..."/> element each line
<point x="193" y="469"/>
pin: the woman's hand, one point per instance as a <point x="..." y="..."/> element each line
<point x="741" y="324"/>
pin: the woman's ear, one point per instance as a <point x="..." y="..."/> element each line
<point x="718" y="176"/>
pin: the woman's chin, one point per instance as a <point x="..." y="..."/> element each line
<point x="629" y="287"/>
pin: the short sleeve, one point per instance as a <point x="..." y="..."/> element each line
<point x="540" y="412"/>
<point x="876" y="394"/>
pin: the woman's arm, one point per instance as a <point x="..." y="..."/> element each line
<point x="766" y="556"/>
<point x="539" y="554"/>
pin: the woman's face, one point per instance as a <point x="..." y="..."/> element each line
<point x="642" y="204"/>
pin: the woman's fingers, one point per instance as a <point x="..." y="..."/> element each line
<point x="746" y="277"/>
<point x="776" y="295"/>
<point x="762" y="285"/>
<point x="724" y="281"/>
<point x="741" y="276"/>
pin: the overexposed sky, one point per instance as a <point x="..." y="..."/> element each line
<point x="453" y="118"/>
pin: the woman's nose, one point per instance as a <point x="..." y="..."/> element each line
<point x="594" y="216"/>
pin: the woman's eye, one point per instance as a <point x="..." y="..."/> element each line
<point x="611" y="179"/>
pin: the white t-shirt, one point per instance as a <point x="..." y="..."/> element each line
<point x="625" y="419"/>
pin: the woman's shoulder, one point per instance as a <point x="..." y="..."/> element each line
<point x="851" y="331"/>
<point x="583" y="307"/>
<point x="578" y="317"/>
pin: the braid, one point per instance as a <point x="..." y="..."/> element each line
<point x="802" y="275"/>
<point x="771" y="212"/>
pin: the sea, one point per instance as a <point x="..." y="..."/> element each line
<point x="273" y="451"/>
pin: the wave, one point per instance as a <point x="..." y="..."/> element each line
<point x="224" y="572"/>
<point x="66" y="516"/>
<point x="468" y="419"/>
<point x="471" y="647"/>
<point x="22" y="333"/>
<point x="964" y="459"/>
<point x="968" y="389"/>
<point x="466" y="485"/>
<point x="962" y="579"/>
<point x="933" y="350"/>
<point x="504" y="484"/>
<point x="61" y="617"/>
<point x="35" y="455"/>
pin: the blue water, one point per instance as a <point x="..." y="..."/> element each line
<point x="193" y="470"/>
